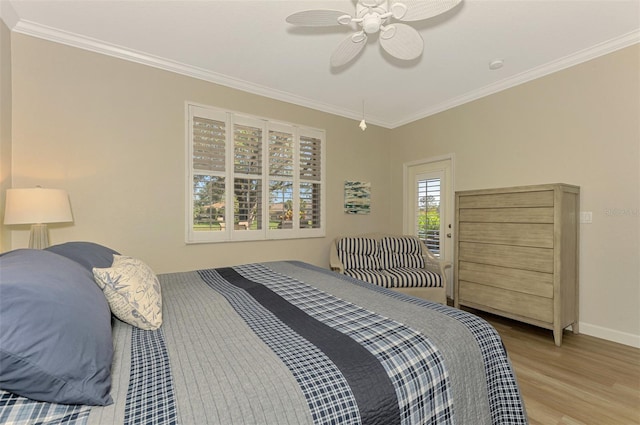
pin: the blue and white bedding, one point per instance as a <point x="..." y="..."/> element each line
<point x="290" y="343"/>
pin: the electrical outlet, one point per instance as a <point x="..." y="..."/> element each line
<point x="586" y="217"/>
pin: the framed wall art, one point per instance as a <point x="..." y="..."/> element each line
<point x="357" y="197"/>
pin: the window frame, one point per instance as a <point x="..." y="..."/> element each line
<point x="426" y="178"/>
<point x="230" y="234"/>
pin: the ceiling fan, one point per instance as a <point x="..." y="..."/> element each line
<point x="377" y="16"/>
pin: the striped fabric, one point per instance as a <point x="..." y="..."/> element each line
<point x="503" y="393"/>
<point x="393" y="262"/>
<point x="363" y="246"/>
<point x="414" y="365"/>
<point x="404" y="277"/>
<point x="359" y="253"/>
<point x="329" y="398"/>
<point x="402" y="251"/>
<point x="377" y="277"/>
<point x="16" y="410"/>
<point x="150" y="397"/>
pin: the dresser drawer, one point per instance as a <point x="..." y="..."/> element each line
<point x="507" y="215"/>
<point x="520" y="234"/>
<point x="519" y="257"/>
<point x="505" y="200"/>
<point x="525" y="281"/>
<point x="511" y="302"/>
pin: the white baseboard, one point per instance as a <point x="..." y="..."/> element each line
<point x="610" y="334"/>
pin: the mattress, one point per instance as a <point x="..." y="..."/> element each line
<point x="291" y="343"/>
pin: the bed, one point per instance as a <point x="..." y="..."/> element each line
<point x="264" y="343"/>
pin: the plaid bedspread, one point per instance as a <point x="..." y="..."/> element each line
<point x="289" y="343"/>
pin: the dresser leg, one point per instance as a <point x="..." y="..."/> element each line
<point x="557" y="336"/>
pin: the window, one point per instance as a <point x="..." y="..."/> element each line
<point x="252" y="178"/>
<point x="428" y="214"/>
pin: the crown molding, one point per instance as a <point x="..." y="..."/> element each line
<point x="98" y="46"/>
<point x="8" y="14"/>
<point x="532" y="74"/>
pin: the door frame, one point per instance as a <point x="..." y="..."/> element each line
<point x="449" y="211"/>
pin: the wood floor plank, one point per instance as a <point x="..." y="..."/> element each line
<point x="586" y="381"/>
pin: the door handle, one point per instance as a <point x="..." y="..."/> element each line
<point x="449" y="235"/>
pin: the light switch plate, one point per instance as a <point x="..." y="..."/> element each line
<point x="586" y="217"/>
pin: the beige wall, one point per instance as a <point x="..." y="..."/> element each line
<point x="5" y="127"/>
<point x="579" y="126"/>
<point x="112" y="133"/>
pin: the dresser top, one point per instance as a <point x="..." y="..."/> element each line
<point x="531" y="188"/>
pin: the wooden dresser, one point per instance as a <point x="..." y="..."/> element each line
<point x="517" y="254"/>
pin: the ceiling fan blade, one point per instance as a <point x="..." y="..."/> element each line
<point x="316" y="18"/>
<point x="348" y="49"/>
<point x="401" y="41"/>
<point x="418" y="10"/>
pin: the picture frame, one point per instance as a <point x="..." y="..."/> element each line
<point x="357" y="197"/>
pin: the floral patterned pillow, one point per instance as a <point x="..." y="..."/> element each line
<point x="133" y="292"/>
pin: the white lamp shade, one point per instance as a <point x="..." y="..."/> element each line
<point x="37" y="205"/>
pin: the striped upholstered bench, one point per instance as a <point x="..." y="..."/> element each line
<point x="401" y="263"/>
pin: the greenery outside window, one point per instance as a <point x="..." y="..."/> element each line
<point x="252" y="178"/>
<point x="428" y="214"/>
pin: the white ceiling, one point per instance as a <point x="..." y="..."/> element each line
<point x="249" y="46"/>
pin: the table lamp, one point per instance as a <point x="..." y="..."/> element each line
<point x="37" y="206"/>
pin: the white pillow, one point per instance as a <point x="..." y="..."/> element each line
<point x="133" y="292"/>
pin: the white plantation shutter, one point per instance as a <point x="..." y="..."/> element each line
<point x="252" y="178"/>
<point x="247" y="204"/>
<point x="247" y="149"/>
<point x="310" y="177"/>
<point x="208" y="144"/>
<point x="428" y="214"/>
<point x="310" y="205"/>
<point x="281" y="183"/>
<point x="280" y="153"/>
<point x="208" y="199"/>
<point x="310" y="158"/>
<point x="281" y="207"/>
<point x="208" y="164"/>
<point x="247" y="183"/>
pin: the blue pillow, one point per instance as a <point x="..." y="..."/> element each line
<point x="88" y="254"/>
<point x="55" y="330"/>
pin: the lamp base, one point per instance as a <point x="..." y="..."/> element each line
<point x="39" y="238"/>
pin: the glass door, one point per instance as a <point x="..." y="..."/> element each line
<point x="428" y="207"/>
<point x="428" y="223"/>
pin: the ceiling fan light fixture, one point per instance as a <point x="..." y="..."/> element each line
<point x="387" y="32"/>
<point x="358" y="37"/>
<point x="345" y="19"/>
<point x="398" y="39"/>
<point x="398" y="10"/>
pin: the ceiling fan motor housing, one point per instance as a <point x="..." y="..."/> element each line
<point x="371" y="3"/>
<point x="371" y="23"/>
<point x="373" y="13"/>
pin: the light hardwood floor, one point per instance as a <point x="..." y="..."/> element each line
<point x="585" y="381"/>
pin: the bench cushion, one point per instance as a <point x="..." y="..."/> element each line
<point x="359" y="253"/>
<point x="401" y="252"/>
<point x="414" y="278"/>
<point x="377" y="277"/>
